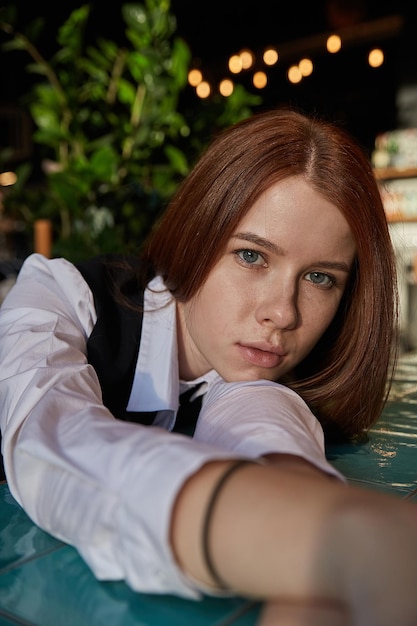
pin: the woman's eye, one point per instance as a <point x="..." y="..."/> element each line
<point x="250" y="257"/>
<point x="321" y="279"/>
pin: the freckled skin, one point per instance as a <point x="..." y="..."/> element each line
<point x="274" y="290"/>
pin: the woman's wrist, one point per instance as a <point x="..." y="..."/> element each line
<point x="189" y="518"/>
<point x="239" y="524"/>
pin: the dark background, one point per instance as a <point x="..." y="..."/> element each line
<point x="342" y="87"/>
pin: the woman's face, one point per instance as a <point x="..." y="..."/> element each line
<point x="274" y="290"/>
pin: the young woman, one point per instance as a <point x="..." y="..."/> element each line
<point x="266" y="294"/>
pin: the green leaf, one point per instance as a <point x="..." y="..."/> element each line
<point x="37" y="68"/>
<point x="67" y="189"/>
<point x="104" y="163"/>
<point x="70" y="35"/>
<point x="138" y="63"/>
<point x="177" y="159"/>
<point x="126" y="92"/>
<point x="181" y="58"/>
<point x="162" y="24"/>
<point x="136" y="17"/>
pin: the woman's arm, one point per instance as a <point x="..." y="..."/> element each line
<point x="103" y="485"/>
<point x="260" y="418"/>
<point x="312" y="547"/>
<point x="318" y="551"/>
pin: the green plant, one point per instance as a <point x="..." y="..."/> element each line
<point x="113" y="141"/>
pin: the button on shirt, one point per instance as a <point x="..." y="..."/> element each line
<point x="107" y="486"/>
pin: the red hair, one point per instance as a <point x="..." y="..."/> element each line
<point x="345" y="379"/>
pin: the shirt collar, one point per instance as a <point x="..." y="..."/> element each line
<point x="156" y="385"/>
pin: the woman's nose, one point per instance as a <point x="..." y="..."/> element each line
<point x="279" y="307"/>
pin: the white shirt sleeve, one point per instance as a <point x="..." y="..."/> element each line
<point x="103" y="485"/>
<point x="261" y="417"/>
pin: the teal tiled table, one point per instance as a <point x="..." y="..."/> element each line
<point x="387" y="459"/>
<point x="43" y="582"/>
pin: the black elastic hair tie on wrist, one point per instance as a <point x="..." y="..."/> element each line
<point x="208" y="517"/>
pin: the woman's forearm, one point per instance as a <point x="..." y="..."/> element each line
<point x="266" y="530"/>
<point x="290" y="535"/>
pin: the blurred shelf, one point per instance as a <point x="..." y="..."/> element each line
<point x="389" y="173"/>
<point x="394" y="174"/>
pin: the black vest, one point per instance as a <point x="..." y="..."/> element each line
<point x="113" y="346"/>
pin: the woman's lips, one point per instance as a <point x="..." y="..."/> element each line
<point x="259" y="357"/>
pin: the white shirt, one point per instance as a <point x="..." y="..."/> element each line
<point x="156" y="385"/>
<point x="103" y="485"/>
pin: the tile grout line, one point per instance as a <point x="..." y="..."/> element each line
<point x="24" y="560"/>
<point x="15" y="620"/>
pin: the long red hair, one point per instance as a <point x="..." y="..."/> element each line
<point x="346" y="377"/>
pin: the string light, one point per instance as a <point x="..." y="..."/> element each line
<point x="203" y="90"/>
<point x="306" y="67"/>
<point x="333" y="44"/>
<point x="226" y="87"/>
<point x="7" y="179"/>
<point x="235" y="64"/>
<point x="270" y="56"/>
<point x="376" y="57"/>
<point x="295" y="73"/>
<point x="260" y="80"/>
<point x="195" y="77"/>
<point x="247" y="59"/>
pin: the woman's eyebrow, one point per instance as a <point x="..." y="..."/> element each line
<point x="259" y="241"/>
<point x="269" y="245"/>
<point x="335" y="265"/>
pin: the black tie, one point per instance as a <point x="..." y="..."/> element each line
<point x="188" y="412"/>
